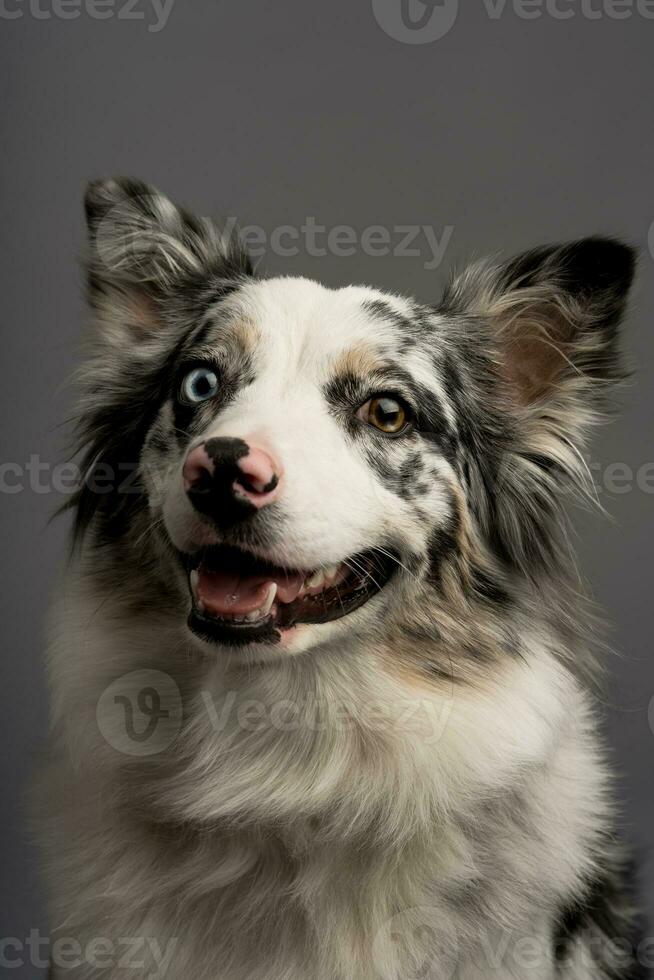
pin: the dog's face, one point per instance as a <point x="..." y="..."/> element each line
<point x="317" y="461"/>
<point x="305" y="454"/>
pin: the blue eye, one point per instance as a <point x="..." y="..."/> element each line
<point x="199" y="384"/>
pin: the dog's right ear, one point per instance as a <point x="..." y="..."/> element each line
<point x="142" y="248"/>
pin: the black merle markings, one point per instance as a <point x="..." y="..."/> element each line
<point x="213" y="495"/>
<point x="602" y="917"/>
<point x="408" y="477"/>
<point x="431" y="420"/>
<point x="112" y="437"/>
<point x="443" y="545"/>
<point x="380" y="309"/>
<point x="157" y="438"/>
<point x="411" y="328"/>
<point x="475" y="440"/>
<point x="233" y="377"/>
<point x="595" y="269"/>
<point x="113" y="434"/>
<point x="489" y="590"/>
<point x="347" y="392"/>
<point x="399" y="479"/>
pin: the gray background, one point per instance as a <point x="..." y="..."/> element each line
<point x="514" y="131"/>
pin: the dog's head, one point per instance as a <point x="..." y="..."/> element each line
<point x="310" y="463"/>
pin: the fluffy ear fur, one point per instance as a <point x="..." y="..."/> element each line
<point x="548" y="325"/>
<point x="142" y="248"/>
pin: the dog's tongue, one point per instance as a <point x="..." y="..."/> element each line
<point x="226" y="593"/>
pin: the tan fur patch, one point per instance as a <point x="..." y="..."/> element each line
<point x="246" y="334"/>
<point x="359" y="360"/>
<point x="135" y="311"/>
<point x="143" y="314"/>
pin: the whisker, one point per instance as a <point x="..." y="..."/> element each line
<point x="148" y="530"/>
<point x="360" y="570"/>
<point x="388" y="554"/>
<point x="339" y="598"/>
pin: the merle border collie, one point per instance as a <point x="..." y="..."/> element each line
<point x="323" y="678"/>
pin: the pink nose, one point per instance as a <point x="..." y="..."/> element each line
<point x="260" y="477"/>
<point x="223" y="464"/>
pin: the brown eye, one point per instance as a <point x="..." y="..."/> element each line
<point x="386" y="413"/>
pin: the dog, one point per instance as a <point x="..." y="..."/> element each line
<point x="323" y="682"/>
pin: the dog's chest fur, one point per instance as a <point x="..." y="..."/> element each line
<point x="453" y="836"/>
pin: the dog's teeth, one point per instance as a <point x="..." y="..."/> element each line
<point x="315" y="581"/>
<point x="193" y="578"/>
<point x="322" y="577"/>
<point x="263" y="610"/>
<point x="270" y="598"/>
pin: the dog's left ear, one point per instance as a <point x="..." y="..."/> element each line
<point x="542" y="333"/>
<point x="553" y="314"/>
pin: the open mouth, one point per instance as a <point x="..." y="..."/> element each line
<point x="240" y="598"/>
